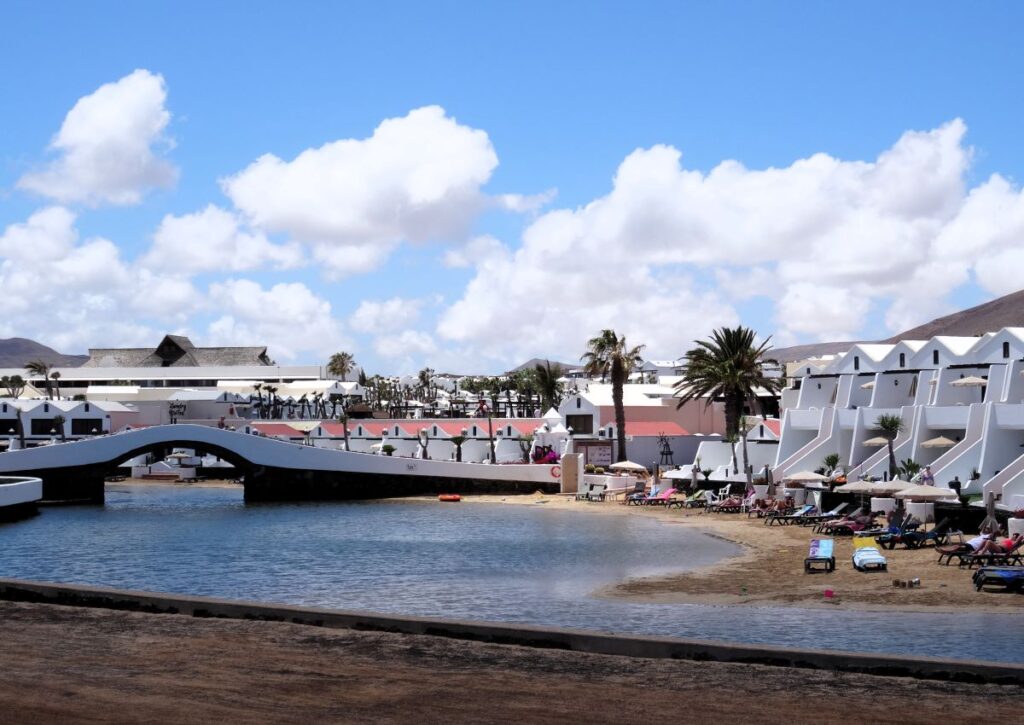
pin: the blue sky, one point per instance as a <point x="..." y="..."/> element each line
<point x="583" y="106"/>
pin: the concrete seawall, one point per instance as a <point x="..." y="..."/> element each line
<point x="520" y="635"/>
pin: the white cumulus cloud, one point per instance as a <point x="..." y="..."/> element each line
<point x="288" y="317"/>
<point x="665" y="253"/>
<point x="72" y="293"/>
<point x="211" y="241"/>
<point x="106" y="146"/>
<point x="418" y="177"/>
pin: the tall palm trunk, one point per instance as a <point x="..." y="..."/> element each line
<point x="618" y="378"/>
<point x="746" y="459"/>
<point x="892" y="459"/>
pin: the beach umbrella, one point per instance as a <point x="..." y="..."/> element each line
<point x="855" y="487"/>
<point x="890" y="487"/>
<point x="627" y="466"/>
<point x="969" y="382"/>
<point x="939" y="442"/>
<point x="877" y="441"/>
<point x="868" y="385"/>
<point x="925" y="493"/>
<point x="805" y="477"/>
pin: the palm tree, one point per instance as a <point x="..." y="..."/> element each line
<point x="14" y="385"/>
<point x="550" y="388"/>
<point x="608" y="355"/>
<point x="729" y="367"/>
<point x="340" y="365"/>
<point x="890" y="427"/>
<point x="42" y="369"/>
<point x="457" y="441"/>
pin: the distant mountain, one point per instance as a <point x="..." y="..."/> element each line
<point x="1005" y="311"/>
<point x="531" y="364"/>
<point x="803" y="352"/>
<point x="15" y="352"/>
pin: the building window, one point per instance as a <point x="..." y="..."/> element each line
<point x="86" y="426"/>
<point x="579" y="403"/>
<point x="903" y="360"/>
<point x="856" y="362"/>
<point x="583" y="424"/>
<point x="44" y="427"/>
<point x="1006" y="349"/>
<point x="935" y="357"/>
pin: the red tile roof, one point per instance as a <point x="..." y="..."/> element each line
<point x="278" y="430"/>
<point x="654" y="428"/>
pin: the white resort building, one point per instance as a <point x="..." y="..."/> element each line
<point x="961" y="400"/>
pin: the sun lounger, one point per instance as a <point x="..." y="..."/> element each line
<point x="948" y="552"/>
<point x="867" y="557"/>
<point x="660" y="500"/>
<point x="993" y="558"/>
<point x="584" y="491"/>
<point x="597" y="492"/>
<point x="637" y="497"/>
<point x="692" y="501"/>
<point x="916" y="539"/>
<point x="1010" y="578"/>
<point x="636" y="494"/>
<point x="731" y="504"/>
<point x="811" y="519"/>
<point x="824" y="526"/>
<point x="784" y="520"/>
<point x="820" y="554"/>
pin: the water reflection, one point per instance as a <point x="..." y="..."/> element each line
<point x="503" y="563"/>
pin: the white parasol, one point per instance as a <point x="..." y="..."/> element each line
<point x="925" y="493"/>
<point x="890" y="487"/>
<point x="855" y="487"/>
<point x="939" y="442"/>
<point x="627" y="466"/>
<point x="877" y="441"/>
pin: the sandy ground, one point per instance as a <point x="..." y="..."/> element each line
<point x="771" y="569"/>
<point x="64" y="664"/>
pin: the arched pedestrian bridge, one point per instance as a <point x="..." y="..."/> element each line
<point x="273" y="469"/>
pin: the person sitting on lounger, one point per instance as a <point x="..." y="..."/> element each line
<point x="985" y="544"/>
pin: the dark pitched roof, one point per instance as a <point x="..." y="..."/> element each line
<point x="177" y="351"/>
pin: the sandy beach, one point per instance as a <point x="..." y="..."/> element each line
<point x="770" y="571"/>
<point x="102" y="666"/>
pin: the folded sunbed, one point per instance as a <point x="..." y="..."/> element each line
<point x="1010" y="578"/>
<point x="867" y="557"/>
<point x="820" y="554"/>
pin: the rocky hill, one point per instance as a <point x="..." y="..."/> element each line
<point x="15" y="352"/>
<point x="1005" y="311"/>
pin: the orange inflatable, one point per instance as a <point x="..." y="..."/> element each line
<point x="451" y="497"/>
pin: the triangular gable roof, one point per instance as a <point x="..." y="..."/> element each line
<point x="985" y="346"/>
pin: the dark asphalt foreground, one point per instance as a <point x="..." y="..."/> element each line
<point x="72" y="664"/>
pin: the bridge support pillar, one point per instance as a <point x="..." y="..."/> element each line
<point x="81" y="485"/>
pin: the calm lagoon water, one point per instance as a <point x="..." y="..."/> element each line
<point x="500" y="563"/>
